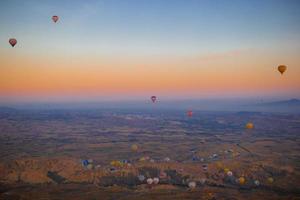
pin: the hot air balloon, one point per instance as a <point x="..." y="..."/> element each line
<point x="134" y="147"/>
<point x="153" y="98"/>
<point x="155" y="180"/>
<point x="241" y="180"/>
<point x="282" y="68"/>
<point x="141" y="178"/>
<point x="256" y="182"/>
<point x="90" y="166"/>
<point x="192" y="185"/>
<point x="270" y="180"/>
<point x="149" y="181"/>
<point x="12" y="42"/>
<point x="249" y="126"/>
<point x="189" y="113"/>
<point x="55" y="18"/>
<point x="85" y="163"/>
<point x="229" y="173"/>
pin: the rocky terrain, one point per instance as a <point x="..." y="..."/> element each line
<point x="89" y="155"/>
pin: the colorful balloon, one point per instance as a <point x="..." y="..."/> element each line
<point x="189" y="113"/>
<point x="141" y="178"/>
<point x="282" y="68"/>
<point x="192" y="184"/>
<point x="134" y="147"/>
<point x="229" y="173"/>
<point x="249" y="126"/>
<point x="155" y="180"/>
<point x="55" y="18"/>
<point x="153" y="98"/>
<point x="270" y="180"/>
<point x="242" y="180"/>
<point x="149" y="181"/>
<point x="12" y="42"/>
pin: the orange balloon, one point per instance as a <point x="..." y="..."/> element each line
<point x="242" y="180"/>
<point x="249" y="126"/>
<point x="282" y="68"/>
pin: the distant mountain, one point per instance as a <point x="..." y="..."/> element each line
<point x="291" y="102"/>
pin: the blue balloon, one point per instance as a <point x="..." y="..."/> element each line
<point x="85" y="162"/>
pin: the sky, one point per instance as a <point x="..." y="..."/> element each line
<point x="133" y="49"/>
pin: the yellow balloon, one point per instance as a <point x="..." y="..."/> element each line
<point x="282" y="68"/>
<point x="226" y="170"/>
<point x="270" y="180"/>
<point x="249" y="126"/>
<point x="116" y="163"/>
<point x="134" y="147"/>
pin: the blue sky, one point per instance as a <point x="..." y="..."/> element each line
<point x="162" y="26"/>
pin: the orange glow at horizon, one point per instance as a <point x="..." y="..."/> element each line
<point x="233" y="71"/>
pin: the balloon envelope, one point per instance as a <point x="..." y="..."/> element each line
<point x="249" y="126"/>
<point x="141" y="178"/>
<point x="55" y="18"/>
<point x="153" y="98"/>
<point x="270" y="180"/>
<point x="242" y="180"/>
<point x="12" y="42"/>
<point x="155" y="180"/>
<point x="134" y="147"/>
<point x="149" y="181"/>
<point x="192" y="184"/>
<point x="282" y="68"/>
<point x="85" y="162"/>
<point x="189" y="113"/>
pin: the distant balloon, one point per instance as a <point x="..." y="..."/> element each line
<point x="12" y="42"/>
<point x="134" y="147"/>
<point x="153" y="98"/>
<point x="55" y="18"/>
<point x="189" y="113"/>
<point x="90" y="166"/>
<point x="256" y="182"/>
<point x="249" y="126"/>
<point x="242" y="180"/>
<point x="270" y="180"/>
<point x="85" y="162"/>
<point x="149" y="181"/>
<point x="282" y="68"/>
<point x="229" y="173"/>
<point x="155" y="180"/>
<point x="192" y="185"/>
<point x="141" y="178"/>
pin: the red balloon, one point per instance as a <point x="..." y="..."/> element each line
<point x="153" y="98"/>
<point x="12" y="42"/>
<point x="55" y="18"/>
<point x="189" y="113"/>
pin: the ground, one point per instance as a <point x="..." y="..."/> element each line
<point x="42" y="152"/>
